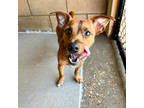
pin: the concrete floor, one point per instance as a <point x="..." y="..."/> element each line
<point x="38" y="75"/>
<point x="102" y="87"/>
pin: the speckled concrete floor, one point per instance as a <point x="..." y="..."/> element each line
<point x="102" y="87"/>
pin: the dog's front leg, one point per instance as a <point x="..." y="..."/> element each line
<point x="77" y="76"/>
<point x="61" y="75"/>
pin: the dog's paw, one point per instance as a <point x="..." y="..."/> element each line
<point x="58" y="85"/>
<point x="60" y="82"/>
<point x="79" y="79"/>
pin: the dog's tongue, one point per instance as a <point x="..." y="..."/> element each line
<point x="86" y="52"/>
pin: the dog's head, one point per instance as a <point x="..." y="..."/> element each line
<point x="75" y="36"/>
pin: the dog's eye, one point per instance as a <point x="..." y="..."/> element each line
<point x="68" y="31"/>
<point x="87" y="33"/>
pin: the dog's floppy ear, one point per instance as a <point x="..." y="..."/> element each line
<point x="100" y="23"/>
<point x="62" y="18"/>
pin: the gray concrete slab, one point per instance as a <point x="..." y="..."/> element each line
<point x="102" y="87"/>
<point x="38" y="74"/>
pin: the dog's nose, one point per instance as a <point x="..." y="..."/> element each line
<point x="73" y="47"/>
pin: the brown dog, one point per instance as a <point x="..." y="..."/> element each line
<point x="75" y="37"/>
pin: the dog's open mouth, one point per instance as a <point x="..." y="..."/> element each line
<point x="74" y="59"/>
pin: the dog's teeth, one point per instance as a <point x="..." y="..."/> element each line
<point x="70" y="59"/>
<point x="78" y="60"/>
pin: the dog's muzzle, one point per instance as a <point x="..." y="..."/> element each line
<point x="74" y="58"/>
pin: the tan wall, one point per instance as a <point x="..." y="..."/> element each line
<point x="34" y="14"/>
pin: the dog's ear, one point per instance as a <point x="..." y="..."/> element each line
<point x="100" y="23"/>
<point x="62" y="18"/>
<point x="71" y="14"/>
